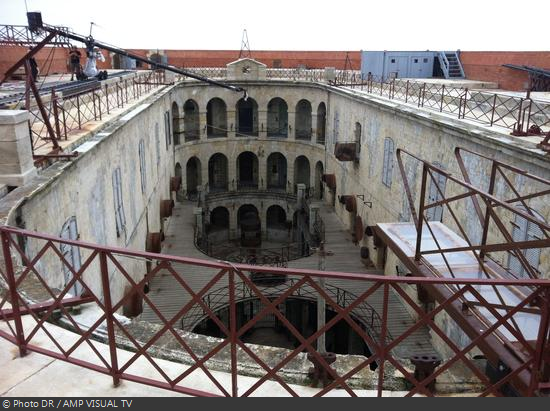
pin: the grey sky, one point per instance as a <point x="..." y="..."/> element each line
<point x="300" y="25"/>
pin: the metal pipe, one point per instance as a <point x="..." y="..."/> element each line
<point x="116" y="50"/>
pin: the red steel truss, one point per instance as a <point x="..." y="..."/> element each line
<point x="431" y="249"/>
<point x="102" y="266"/>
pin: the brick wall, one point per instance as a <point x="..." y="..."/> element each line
<point x="190" y="58"/>
<point x="50" y="60"/>
<point x="487" y="66"/>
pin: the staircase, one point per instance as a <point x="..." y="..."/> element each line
<point x="450" y="64"/>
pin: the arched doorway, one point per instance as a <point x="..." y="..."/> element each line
<point x="303" y="120"/>
<point x="301" y="172"/>
<point x="176" y="123"/>
<point x="191" y="120"/>
<point x="247" y="117"/>
<point x="217" y="173"/>
<point x="247" y="170"/>
<point x="248" y="221"/>
<point x="219" y="225"/>
<point x="276" y="217"/>
<point x="193" y="177"/>
<point x="216" y="118"/>
<point x="276" y="226"/>
<point x="319" y="171"/>
<point x="277" y="118"/>
<point x="179" y="173"/>
<point x="276" y="172"/>
<point x="321" y="123"/>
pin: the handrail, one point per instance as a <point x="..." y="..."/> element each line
<point x="527" y="376"/>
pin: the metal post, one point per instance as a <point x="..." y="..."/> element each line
<point x="421" y="213"/>
<point x="13" y="295"/>
<point x="539" y="364"/>
<point x="56" y="114"/>
<point x="233" y="333"/>
<point x="78" y="112"/>
<point x="109" y="315"/>
<point x="321" y="303"/>
<point x="487" y="211"/>
<point x="107" y="97"/>
<point x="493" y="110"/>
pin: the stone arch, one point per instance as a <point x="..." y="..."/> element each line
<point x="216" y="118"/>
<point x="247" y="170"/>
<point x="218" y="176"/>
<point x="275" y="217"/>
<point x="277" y="118"/>
<point x="321" y="123"/>
<point x="191" y="120"/>
<point x="301" y="172"/>
<point x="247" y="117"/>
<point x="176" y="123"/>
<point x="303" y="120"/>
<point x="219" y="219"/>
<point x="249" y="223"/>
<point x="276" y="171"/>
<point x="193" y="177"/>
<point x="319" y="171"/>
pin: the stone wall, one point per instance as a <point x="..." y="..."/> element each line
<point x="83" y="189"/>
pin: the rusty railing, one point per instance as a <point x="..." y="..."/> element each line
<point x="111" y="278"/>
<point x="521" y="115"/>
<point x="72" y="112"/>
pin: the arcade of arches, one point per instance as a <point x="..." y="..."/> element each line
<point x="247" y="119"/>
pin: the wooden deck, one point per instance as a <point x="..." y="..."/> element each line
<point x="169" y="296"/>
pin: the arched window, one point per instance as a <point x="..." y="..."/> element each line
<point x="321" y="123"/>
<point x="319" y="171"/>
<point x="191" y="120"/>
<point x="247" y="117"/>
<point x="276" y="172"/>
<point x="71" y="254"/>
<point x="301" y="172"/>
<point x="387" y="168"/>
<point x="303" y="120"/>
<point x="176" y="123"/>
<point x="219" y="219"/>
<point x="434" y="195"/>
<point x="193" y="177"/>
<point x="276" y="217"/>
<point x="216" y="118"/>
<point x="277" y="118"/>
<point x="247" y="169"/>
<point x="218" y="173"/>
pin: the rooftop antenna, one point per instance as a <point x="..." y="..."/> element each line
<point x="91" y="26"/>
<point x="245" y="47"/>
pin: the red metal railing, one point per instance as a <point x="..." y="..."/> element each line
<point x="73" y="112"/>
<point x="106" y="271"/>
<point x="521" y="115"/>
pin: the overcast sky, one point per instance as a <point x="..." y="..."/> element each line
<point x="299" y="24"/>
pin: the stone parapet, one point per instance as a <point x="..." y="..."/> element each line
<point x="16" y="162"/>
